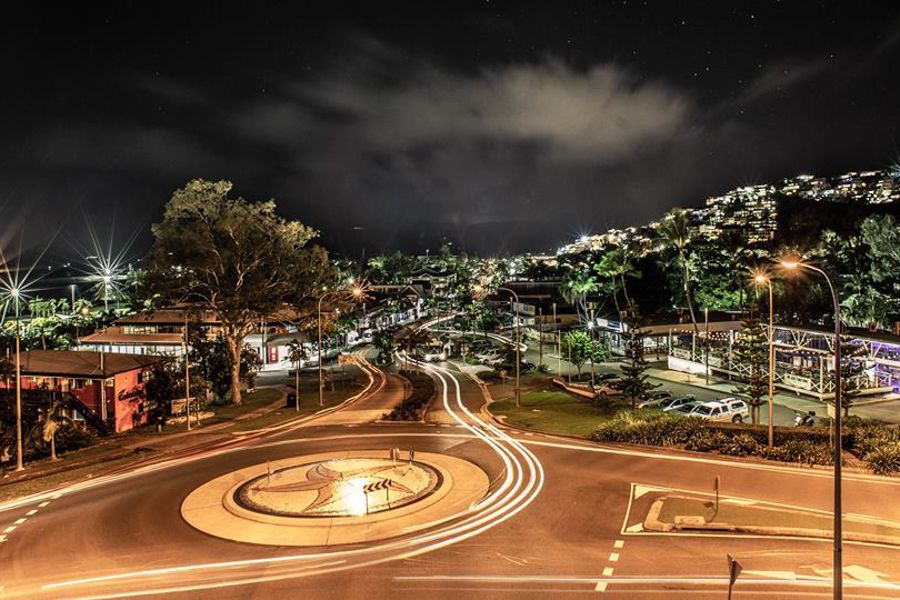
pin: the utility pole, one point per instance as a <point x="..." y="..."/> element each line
<point x="540" y="337"/>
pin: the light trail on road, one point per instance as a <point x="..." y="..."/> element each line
<point x="522" y="482"/>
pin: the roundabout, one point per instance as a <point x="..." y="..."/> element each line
<point x="336" y="498"/>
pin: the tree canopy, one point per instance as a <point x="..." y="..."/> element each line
<point x="235" y="258"/>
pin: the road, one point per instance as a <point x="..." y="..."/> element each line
<point x="557" y="521"/>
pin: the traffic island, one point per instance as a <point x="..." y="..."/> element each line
<point x="332" y="499"/>
<point x="677" y="513"/>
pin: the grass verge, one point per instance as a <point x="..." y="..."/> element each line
<point x="552" y="411"/>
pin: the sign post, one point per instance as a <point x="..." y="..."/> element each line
<point x="716" y="486"/>
<point x="734" y="569"/>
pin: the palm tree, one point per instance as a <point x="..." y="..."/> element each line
<point x="296" y="354"/>
<point x="675" y="231"/>
<point x="575" y="287"/>
<point x="615" y="266"/>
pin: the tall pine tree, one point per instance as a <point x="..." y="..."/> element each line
<point x="752" y="352"/>
<point x="634" y="371"/>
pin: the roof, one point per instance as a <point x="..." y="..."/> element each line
<point x="175" y="316"/>
<point x="167" y="316"/>
<point x="114" y="335"/>
<point x="68" y="363"/>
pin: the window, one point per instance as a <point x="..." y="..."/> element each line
<point x="140" y="377"/>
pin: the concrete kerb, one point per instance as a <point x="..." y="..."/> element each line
<point x="652" y="523"/>
<point x="211" y="507"/>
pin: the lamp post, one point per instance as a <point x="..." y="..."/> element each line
<point x="20" y="465"/>
<point x="518" y="343"/>
<point x="479" y="289"/>
<point x="357" y="292"/>
<point x="761" y="279"/>
<point x="72" y="289"/>
<point x="838" y="441"/>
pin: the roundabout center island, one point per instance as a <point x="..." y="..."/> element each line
<point x="335" y="498"/>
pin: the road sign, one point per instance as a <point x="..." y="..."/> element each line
<point x="716" y="485"/>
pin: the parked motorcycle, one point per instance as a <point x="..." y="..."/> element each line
<point x="807" y="420"/>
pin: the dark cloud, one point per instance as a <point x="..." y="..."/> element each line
<point x="499" y="130"/>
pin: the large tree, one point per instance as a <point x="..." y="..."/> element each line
<point x="578" y="348"/>
<point x="235" y="258"/>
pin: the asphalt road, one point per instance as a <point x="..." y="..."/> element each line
<point x="555" y="524"/>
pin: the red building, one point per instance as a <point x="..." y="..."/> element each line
<point x="110" y="385"/>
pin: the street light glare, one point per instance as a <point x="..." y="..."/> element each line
<point x="790" y="263"/>
<point x="760" y="278"/>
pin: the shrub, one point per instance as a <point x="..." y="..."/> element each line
<point x="800" y="451"/>
<point x="707" y="440"/>
<point x="421" y="394"/>
<point x="884" y="460"/>
<point x="650" y="428"/>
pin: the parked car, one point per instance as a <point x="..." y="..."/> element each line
<point x="731" y="409"/>
<point x="606" y="376"/>
<point x="610" y="387"/>
<point x="676" y="403"/>
<point x="654" y="399"/>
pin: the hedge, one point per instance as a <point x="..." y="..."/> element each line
<point x="422" y="392"/>
<point x="875" y="443"/>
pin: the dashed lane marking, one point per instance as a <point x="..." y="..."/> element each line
<point x="9" y="529"/>
<point x="19" y="521"/>
<point x="607" y="572"/>
<point x="619" y="544"/>
<point x="43" y="504"/>
<point x="600" y="587"/>
<point x="31" y="512"/>
<point x="613" y="557"/>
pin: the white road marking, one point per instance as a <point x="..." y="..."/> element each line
<point x="619" y="543"/>
<point x="43" y="504"/>
<point x="9" y="529"/>
<point x="613" y="557"/>
<point x="607" y="572"/>
<point x="20" y="521"/>
<point x="861" y="573"/>
<point x="640" y="490"/>
<point x="600" y="587"/>
<point x="33" y="511"/>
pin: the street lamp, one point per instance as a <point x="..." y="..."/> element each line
<point x="518" y="344"/>
<point x="479" y="289"/>
<point x="793" y="265"/>
<point x="762" y="279"/>
<point x="20" y="466"/>
<point x="356" y="292"/>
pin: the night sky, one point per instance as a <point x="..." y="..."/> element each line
<point x="497" y="127"/>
